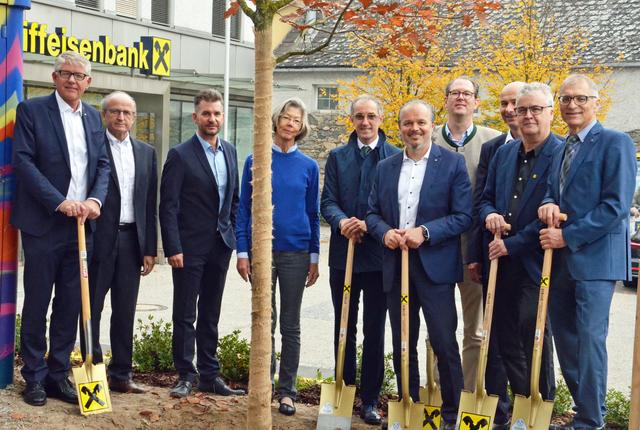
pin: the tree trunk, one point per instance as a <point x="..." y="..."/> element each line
<point x="259" y="411"/>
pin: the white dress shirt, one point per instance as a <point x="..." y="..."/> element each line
<point x="372" y="145"/>
<point x="77" y="147"/>
<point x="411" y="177"/>
<point x="122" y="154"/>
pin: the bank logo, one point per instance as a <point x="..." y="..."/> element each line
<point x="161" y="57"/>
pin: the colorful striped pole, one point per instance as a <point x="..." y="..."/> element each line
<point x="11" y="16"/>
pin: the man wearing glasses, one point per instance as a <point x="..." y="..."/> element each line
<point x="348" y="179"/>
<point x="125" y="241"/>
<point x="516" y="184"/>
<point x="62" y="173"/>
<point x="460" y="134"/>
<point x="593" y="183"/>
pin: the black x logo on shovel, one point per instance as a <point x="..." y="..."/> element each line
<point x="93" y="396"/>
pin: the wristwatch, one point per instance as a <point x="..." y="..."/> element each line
<point x="425" y="233"/>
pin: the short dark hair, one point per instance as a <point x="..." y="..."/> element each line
<point x="476" y="86"/>
<point x="207" y="95"/>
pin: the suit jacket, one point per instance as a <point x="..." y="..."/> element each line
<point x="444" y="208"/>
<point x="523" y="241"/>
<point x="41" y="164"/>
<point x="597" y="198"/>
<point x="144" y="203"/>
<point x="189" y="202"/>
<point x="347" y="185"/>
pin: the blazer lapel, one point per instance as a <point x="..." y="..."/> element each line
<point x="114" y="174"/>
<point x="140" y="175"/>
<point x="393" y="183"/>
<point x="585" y="149"/>
<point x="542" y="165"/>
<point x="507" y="175"/>
<point x="58" y="128"/>
<point x="202" y="158"/>
<point x="227" y="154"/>
<point x="430" y="175"/>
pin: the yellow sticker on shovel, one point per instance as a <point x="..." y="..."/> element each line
<point x="544" y="282"/>
<point x="431" y="418"/>
<point x="474" y="422"/>
<point x="92" y="396"/>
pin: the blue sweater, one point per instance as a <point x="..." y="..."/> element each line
<point x="296" y="221"/>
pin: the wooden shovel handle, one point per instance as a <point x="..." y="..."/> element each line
<point x="84" y="272"/>
<point x="404" y="324"/>
<point x="344" y="315"/>
<point x="634" y="418"/>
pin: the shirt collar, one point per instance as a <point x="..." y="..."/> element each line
<point x="278" y="149"/>
<point x="114" y="140"/>
<point x="536" y="151"/>
<point x="467" y="132"/>
<point x="425" y="157"/>
<point x="582" y="134"/>
<point x="372" y="145"/>
<point x="207" y="146"/>
<point x="509" y="137"/>
<point x="64" y="106"/>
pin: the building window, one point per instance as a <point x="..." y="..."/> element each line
<point x="217" y="27"/>
<point x="160" y="11"/>
<point x="127" y="8"/>
<point x="89" y="4"/>
<point x="327" y="98"/>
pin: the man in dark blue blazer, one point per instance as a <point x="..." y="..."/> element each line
<point x="421" y="200"/>
<point x="62" y="172"/>
<point x="126" y="238"/>
<point x="348" y="176"/>
<point x="593" y="183"/>
<point x="516" y="185"/>
<point x="198" y="203"/>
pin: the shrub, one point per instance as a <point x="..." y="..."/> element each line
<point x="618" y="408"/>
<point x="563" y="401"/>
<point x="233" y="355"/>
<point x="18" y="324"/>
<point x="389" y="378"/>
<point x="152" y="346"/>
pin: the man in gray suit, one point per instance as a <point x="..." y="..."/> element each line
<point x="125" y="241"/>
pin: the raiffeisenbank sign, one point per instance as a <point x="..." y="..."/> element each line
<point x="152" y="55"/>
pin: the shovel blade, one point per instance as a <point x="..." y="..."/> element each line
<point x="397" y="419"/>
<point x="476" y="410"/>
<point x="529" y="414"/>
<point x="92" y="388"/>
<point x="335" y="414"/>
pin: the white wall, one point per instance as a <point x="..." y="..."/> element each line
<point x="193" y="14"/>
<point x="624" y="114"/>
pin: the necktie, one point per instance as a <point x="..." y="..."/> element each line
<point x="570" y="152"/>
<point x="364" y="151"/>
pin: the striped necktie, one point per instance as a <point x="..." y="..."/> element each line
<point x="364" y="151"/>
<point x="570" y="151"/>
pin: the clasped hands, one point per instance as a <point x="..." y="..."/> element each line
<point x="403" y="238"/>
<point x="87" y="209"/>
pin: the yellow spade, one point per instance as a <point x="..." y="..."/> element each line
<point x="336" y="399"/>
<point x="430" y="395"/>
<point x="534" y="413"/>
<point x="90" y="379"/>
<point x="477" y="406"/>
<point x="404" y="414"/>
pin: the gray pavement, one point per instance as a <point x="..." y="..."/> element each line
<point x="155" y="298"/>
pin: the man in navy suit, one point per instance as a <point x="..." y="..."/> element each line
<point x="62" y="172"/>
<point x="593" y="183"/>
<point x="198" y="204"/>
<point x="348" y="177"/>
<point x="126" y="239"/>
<point x="516" y="185"/>
<point x="421" y="200"/>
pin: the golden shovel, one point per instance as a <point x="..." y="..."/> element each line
<point x="533" y="412"/>
<point x="404" y="414"/>
<point x="430" y="394"/>
<point x="336" y="398"/>
<point x="479" y="407"/>
<point x="90" y="379"/>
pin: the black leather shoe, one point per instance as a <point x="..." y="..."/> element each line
<point x="218" y="386"/>
<point x="62" y="389"/>
<point x="370" y="414"/>
<point x="34" y="394"/>
<point x="286" y="409"/>
<point x="182" y="389"/>
<point x="127" y="386"/>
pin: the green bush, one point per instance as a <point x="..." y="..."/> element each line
<point x="233" y="355"/>
<point x="389" y="378"/>
<point x="152" y="346"/>
<point x="618" y="408"/>
<point x="563" y="401"/>
<point x="18" y="324"/>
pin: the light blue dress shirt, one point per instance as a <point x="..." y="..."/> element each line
<point x="216" y="160"/>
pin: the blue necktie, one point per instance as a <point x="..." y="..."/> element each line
<point x="364" y="151"/>
<point x="570" y="151"/>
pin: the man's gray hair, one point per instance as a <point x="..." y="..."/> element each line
<point x="417" y="102"/>
<point x="577" y="77"/>
<point x="538" y="87"/>
<point x="107" y="99"/>
<point x="293" y="102"/>
<point x="72" y="57"/>
<point x="366" y="98"/>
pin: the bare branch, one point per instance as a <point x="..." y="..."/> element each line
<point x="247" y="10"/>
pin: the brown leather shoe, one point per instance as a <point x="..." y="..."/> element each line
<point x="127" y="386"/>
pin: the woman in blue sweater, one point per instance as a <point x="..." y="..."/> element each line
<point x="296" y="237"/>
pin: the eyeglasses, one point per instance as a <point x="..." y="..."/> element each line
<point x="464" y="94"/>
<point x="535" y="110"/>
<point x="294" y="121"/>
<point x="579" y="100"/>
<point x="66" y="75"/>
<point x="125" y="113"/>
<point x="370" y="117"/>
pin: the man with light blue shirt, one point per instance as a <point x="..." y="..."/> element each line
<point x="198" y="202"/>
<point x="593" y="184"/>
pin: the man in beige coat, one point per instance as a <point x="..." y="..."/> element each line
<point x="461" y="135"/>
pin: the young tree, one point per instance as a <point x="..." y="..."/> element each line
<point x="400" y="20"/>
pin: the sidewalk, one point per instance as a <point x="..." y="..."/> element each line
<point x="156" y="293"/>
